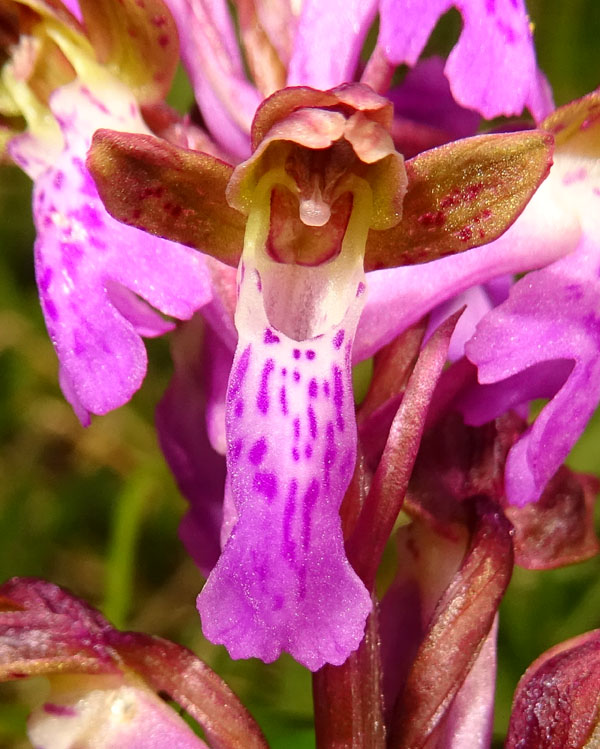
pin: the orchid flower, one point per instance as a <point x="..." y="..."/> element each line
<point x="105" y="684"/>
<point x="542" y="341"/>
<point x="95" y="276"/>
<point x="323" y="198"/>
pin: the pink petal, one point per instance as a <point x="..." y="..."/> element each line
<point x="491" y="69"/>
<point x="105" y="712"/>
<point x="328" y="42"/>
<point x="550" y="316"/>
<point x="90" y="267"/>
<point x="211" y="55"/>
<point x="181" y="426"/>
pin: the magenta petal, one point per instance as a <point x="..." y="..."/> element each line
<point x="199" y="472"/>
<point x="211" y="55"/>
<point x="283" y="581"/>
<point x="328" y="42"/>
<point x="550" y="315"/>
<point x="90" y="267"/>
<point x="491" y="69"/>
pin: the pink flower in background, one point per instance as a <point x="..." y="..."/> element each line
<point x="100" y="282"/>
<point x="543" y="341"/>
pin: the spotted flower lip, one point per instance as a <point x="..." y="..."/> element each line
<point x="283" y="581"/>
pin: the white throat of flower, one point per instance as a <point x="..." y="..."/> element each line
<point x="303" y="301"/>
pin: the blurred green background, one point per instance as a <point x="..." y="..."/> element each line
<point x="97" y="510"/>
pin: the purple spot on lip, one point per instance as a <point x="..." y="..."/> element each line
<point x="326" y="389"/>
<point x="270" y="337"/>
<point x="45" y="279"/>
<point x="296" y="353"/>
<point x="288" y="546"/>
<point x="312" y="422"/>
<point x="296" y="376"/>
<point x="310" y="499"/>
<point x="295" y="454"/>
<point x="310" y="354"/>
<point x="266" y="484"/>
<point x="338" y="338"/>
<point x="239" y="408"/>
<point x="283" y="400"/>
<point x="360" y="289"/>
<point x="50" y="309"/>
<point x="338" y="388"/>
<point x="236" y="449"/>
<point x="575" y="175"/>
<point x="308" y="452"/>
<point x="63" y="710"/>
<point x="296" y="428"/>
<point x="262" y="398"/>
<point x="258" y="451"/>
<point x="313" y="388"/>
<point x="89" y="217"/>
<point x="59" y="179"/>
<point x="330" y="455"/>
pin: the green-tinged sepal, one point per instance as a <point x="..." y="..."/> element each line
<point x="462" y="195"/>
<point x="137" y="41"/>
<point x="169" y="191"/>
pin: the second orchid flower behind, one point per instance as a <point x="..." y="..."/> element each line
<point x="324" y="197"/>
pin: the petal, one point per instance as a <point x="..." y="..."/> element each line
<point x="73" y="7"/>
<point x="476" y="301"/>
<point x="283" y="581"/>
<point x="211" y="56"/>
<point x="470" y="719"/>
<point x="44" y="630"/>
<point x="550" y="315"/>
<point x="83" y="257"/>
<point x="115" y="713"/>
<point x="424" y="96"/>
<point x="201" y="692"/>
<point x="181" y="426"/>
<point x="491" y="69"/>
<point x="328" y="42"/>
<point x="279" y="18"/>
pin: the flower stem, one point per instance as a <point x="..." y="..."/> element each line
<point x="122" y="545"/>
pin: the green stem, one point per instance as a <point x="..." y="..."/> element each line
<point x="122" y="548"/>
